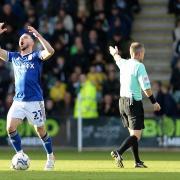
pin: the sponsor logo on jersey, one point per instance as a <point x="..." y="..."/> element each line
<point x="24" y="65"/>
<point x="27" y="65"/>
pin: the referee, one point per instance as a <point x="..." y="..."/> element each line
<point x="133" y="78"/>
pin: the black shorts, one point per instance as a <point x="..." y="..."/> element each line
<point x="132" y="113"/>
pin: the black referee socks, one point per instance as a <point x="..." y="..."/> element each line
<point x="130" y="141"/>
<point x="135" y="151"/>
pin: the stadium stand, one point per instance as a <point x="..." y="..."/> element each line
<point x="154" y="26"/>
<point x="174" y="8"/>
<point x="81" y="32"/>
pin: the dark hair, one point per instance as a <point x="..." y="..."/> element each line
<point x="29" y="34"/>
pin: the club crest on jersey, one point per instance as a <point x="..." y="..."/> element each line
<point x="30" y="57"/>
<point x="146" y="79"/>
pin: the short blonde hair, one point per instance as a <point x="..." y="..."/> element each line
<point x="136" y="47"/>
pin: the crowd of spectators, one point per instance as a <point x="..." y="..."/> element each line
<point x="80" y="32"/>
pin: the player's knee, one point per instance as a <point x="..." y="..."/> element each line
<point x="10" y="129"/>
<point x="41" y="131"/>
<point x="137" y="136"/>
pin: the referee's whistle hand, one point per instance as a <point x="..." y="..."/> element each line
<point x="157" y="107"/>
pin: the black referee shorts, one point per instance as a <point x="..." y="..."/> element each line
<point x="132" y="113"/>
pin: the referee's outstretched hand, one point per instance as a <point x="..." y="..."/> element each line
<point x="157" y="107"/>
<point x="113" y="51"/>
<point x="1" y="28"/>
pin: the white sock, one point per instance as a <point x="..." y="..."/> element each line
<point x="21" y="151"/>
<point x="50" y="156"/>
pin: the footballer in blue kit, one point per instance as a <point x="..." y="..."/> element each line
<point x="27" y="71"/>
<point x="28" y="100"/>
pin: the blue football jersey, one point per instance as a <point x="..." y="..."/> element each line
<point x="27" y="73"/>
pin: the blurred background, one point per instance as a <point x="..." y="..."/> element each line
<point x="81" y="80"/>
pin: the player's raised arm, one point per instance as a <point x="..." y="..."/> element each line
<point x="3" y="53"/>
<point x="48" y="49"/>
<point x="115" y="53"/>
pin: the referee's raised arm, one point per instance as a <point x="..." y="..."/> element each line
<point x="114" y="52"/>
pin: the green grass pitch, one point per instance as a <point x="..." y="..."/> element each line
<point x="72" y="165"/>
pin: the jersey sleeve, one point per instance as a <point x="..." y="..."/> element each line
<point x="11" y="56"/>
<point x="143" y="78"/>
<point x="42" y="54"/>
<point x="120" y="62"/>
<point x="37" y="55"/>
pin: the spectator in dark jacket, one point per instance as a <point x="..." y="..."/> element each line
<point x="170" y="106"/>
<point x="111" y="85"/>
<point x="108" y="107"/>
<point x="177" y="7"/>
<point x="5" y="80"/>
<point x="159" y="95"/>
<point x="175" y="77"/>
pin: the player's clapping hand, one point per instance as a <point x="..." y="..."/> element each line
<point x="2" y="29"/>
<point x="157" y="107"/>
<point x="33" y="31"/>
<point x="113" y="51"/>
